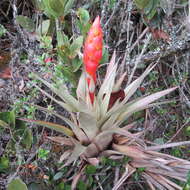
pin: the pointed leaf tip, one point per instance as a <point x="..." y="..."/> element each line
<point x="96" y="21"/>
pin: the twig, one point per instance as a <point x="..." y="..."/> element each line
<point x="138" y="59"/>
<point x="129" y="171"/>
<point x="113" y="12"/>
<point x="116" y="175"/>
<point x="180" y="46"/>
<point x="167" y="145"/>
<point x="139" y="38"/>
<point x="98" y="181"/>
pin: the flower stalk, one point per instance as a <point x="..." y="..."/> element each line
<point x="93" y="54"/>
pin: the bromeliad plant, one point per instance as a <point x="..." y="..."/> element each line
<point x="96" y="121"/>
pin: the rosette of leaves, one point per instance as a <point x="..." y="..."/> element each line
<point x="93" y="127"/>
<point x="96" y="127"/>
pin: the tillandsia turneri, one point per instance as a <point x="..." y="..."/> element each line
<point x="96" y="124"/>
<point x="93" y="54"/>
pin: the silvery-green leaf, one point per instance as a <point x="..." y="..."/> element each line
<point x="88" y="124"/>
<point x="103" y="139"/>
<point x="118" y="84"/>
<point x="131" y="88"/>
<point x="107" y="87"/>
<point x="120" y="119"/>
<point x="110" y="122"/>
<point x="96" y="110"/>
<point x="142" y="103"/>
<point x="62" y="92"/>
<point x="129" y="91"/>
<point x="121" y="107"/>
<point x="53" y="126"/>
<point x="117" y="106"/>
<point x="112" y="66"/>
<point x="78" y="150"/>
<point x="62" y="104"/>
<point x="81" y="88"/>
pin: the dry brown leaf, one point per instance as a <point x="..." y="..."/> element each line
<point x="152" y="181"/>
<point x="131" y="151"/>
<point x="162" y="180"/>
<point x="93" y="161"/>
<point x="76" y="178"/>
<point x="129" y="171"/>
<point x="151" y="185"/>
<point x="6" y="73"/>
<point x="160" y="34"/>
<point x="170" y="182"/>
<point x="121" y="140"/>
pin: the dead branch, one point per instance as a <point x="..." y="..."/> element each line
<point x="174" y="48"/>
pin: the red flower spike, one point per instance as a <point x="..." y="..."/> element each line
<point x="93" y="52"/>
<point x="47" y="60"/>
